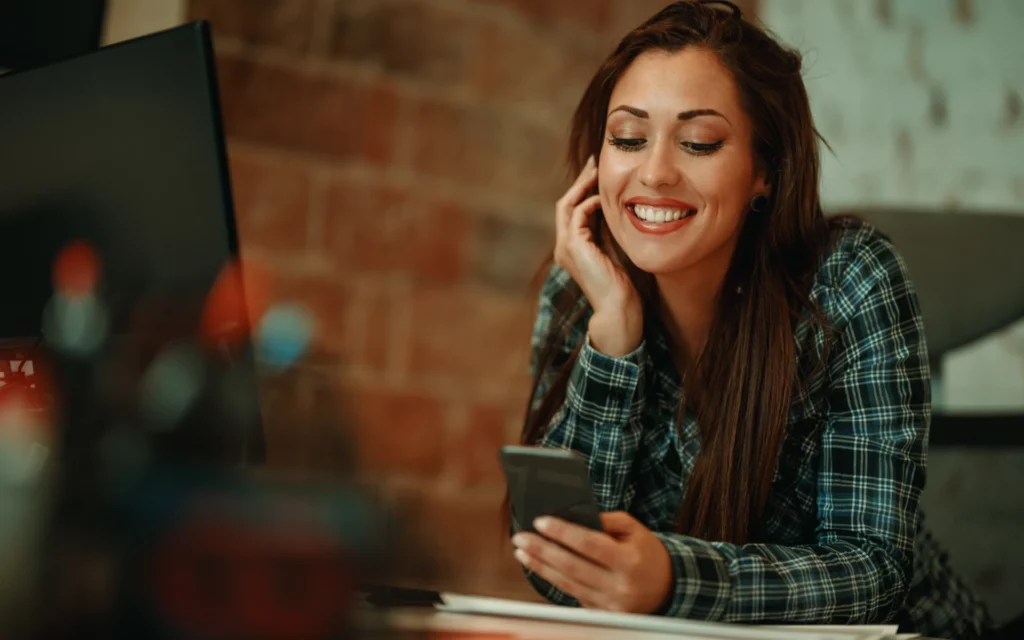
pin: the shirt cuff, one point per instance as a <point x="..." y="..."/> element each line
<point x="703" y="585"/>
<point x="606" y="389"/>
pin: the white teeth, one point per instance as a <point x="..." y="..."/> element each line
<point x="658" y="214"/>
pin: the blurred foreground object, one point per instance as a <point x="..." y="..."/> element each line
<point x="26" y="447"/>
<point x="116" y="194"/>
<point x="157" y="529"/>
<point x="137" y="498"/>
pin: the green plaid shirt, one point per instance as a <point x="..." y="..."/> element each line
<point x="844" y="541"/>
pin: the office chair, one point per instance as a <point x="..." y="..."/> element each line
<point x="968" y="269"/>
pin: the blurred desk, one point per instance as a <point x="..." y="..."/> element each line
<point x="441" y="625"/>
<point x="464" y="626"/>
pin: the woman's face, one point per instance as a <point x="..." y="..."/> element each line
<point x="676" y="171"/>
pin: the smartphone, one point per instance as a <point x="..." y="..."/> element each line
<point x="549" y="482"/>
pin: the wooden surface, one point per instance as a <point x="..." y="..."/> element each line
<point x="466" y="627"/>
<point x="448" y="625"/>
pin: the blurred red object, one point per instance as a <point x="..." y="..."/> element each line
<point x="235" y="304"/>
<point x="218" y="576"/>
<point x="76" y="271"/>
<point x="25" y="388"/>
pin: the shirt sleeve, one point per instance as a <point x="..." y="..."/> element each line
<point x="601" y="416"/>
<point x="870" y="475"/>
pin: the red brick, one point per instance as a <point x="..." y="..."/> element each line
<point x="468" y="535"/>
<point x="292" y="109"/>
<point x="626" y="16"/>
<point x="457" y="144"/>
<point x="370" y="323"/>
<point x="354" y="321"/>
<point x="280" y="23"/>
<point x="398" y="431"/>
<point x="579" y="65"/>
<point x="472" y="544"/>
<point x="485" y="148"/>
<point x="417" y="39"/>
<point x="532" y="68"/>
<point x="306" y="427"/>
<point x="508" y="254"/>
<point x="271" y="202"/>
<point x="485" y="431"/>
<point x="593" y="15"/>
<point x="475" y="338"/>
<point x="388" y="230"/>
<point x="329" y="300"/>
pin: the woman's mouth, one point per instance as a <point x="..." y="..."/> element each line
<point x="659" y="220"/>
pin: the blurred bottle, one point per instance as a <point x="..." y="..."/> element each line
<point x="26" y="445"/>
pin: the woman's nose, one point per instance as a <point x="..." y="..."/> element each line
<point x="659" y="168"/>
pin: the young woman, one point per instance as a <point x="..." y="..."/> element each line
<point x="747" y="380"/>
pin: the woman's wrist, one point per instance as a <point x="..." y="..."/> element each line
<point x="617" y="333"/>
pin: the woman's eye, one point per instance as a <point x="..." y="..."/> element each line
<point x="635" y="144"/>
<point x="702" y="148"/>
<point x="627" y="144"/>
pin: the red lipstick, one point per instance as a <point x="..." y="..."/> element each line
<point x="659" y="228"/>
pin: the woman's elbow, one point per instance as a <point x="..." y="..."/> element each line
<point x="891" y="584"/>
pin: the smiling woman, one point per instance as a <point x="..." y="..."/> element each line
<point x="747" y="380"/>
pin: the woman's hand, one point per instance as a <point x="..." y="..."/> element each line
<point x="616" y="328"/>
<point x="625" y="569"/>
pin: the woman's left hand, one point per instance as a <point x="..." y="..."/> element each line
<point x="626" y="568"/>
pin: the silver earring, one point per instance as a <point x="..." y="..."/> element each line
<point x="758" y="203"/>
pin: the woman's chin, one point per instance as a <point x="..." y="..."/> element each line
<point x="656" y="263"/>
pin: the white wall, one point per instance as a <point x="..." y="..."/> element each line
<point x="922" y="102"/>
<point x="875" y="83"/>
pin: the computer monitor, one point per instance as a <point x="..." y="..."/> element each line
<point x="122" y="147"/>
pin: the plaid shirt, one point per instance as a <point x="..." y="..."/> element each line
<point x="844" y="541"/>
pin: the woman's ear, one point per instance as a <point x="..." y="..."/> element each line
<point x="761" y="195"/>
<point x="762" y="181"/>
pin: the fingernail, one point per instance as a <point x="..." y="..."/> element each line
<point x="591" y="161"/>
<point x="521" y="556"/>
<point x="519" y="540"/>
<point x="542" y="524"/>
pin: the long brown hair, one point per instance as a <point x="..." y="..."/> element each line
<point x="740" y="386"/>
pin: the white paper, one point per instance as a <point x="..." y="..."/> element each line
<point x="456" y="603"/>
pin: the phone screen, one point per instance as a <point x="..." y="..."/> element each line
<point x="549" y="482"/>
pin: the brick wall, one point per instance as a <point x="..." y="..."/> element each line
<point x="395" y="163"/>
<point x="921" y="100"/>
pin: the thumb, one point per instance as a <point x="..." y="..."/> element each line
<point x="619" y="524"/>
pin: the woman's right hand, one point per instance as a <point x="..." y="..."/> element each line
<point x="616" y="328"/>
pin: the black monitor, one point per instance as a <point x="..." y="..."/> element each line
<point x="122" y="147"/>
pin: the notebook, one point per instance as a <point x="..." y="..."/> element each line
<point x="477" y="605"/>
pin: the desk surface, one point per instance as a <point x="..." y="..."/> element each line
<point x="462" y="626"/>
<point x="467" y="626"/>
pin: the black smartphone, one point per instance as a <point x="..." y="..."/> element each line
<point x="549" y="482"/>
